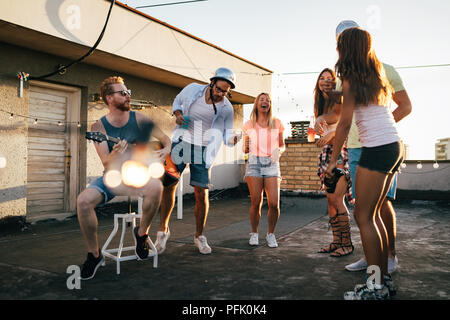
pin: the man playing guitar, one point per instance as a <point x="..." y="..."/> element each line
<point x="130" y="128"/>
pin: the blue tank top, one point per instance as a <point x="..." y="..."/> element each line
<point x="130" y="131"/>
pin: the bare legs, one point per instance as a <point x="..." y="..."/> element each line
<point x="271" y="186"/>
<point x="86" y="203"/>
<point x="201" y="208"/>
<point x="389" y="220"/>
<point x="371" y="189"/>
<point x="339" y="220"/>
<point x="90" y="198"/>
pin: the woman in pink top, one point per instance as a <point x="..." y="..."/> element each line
<point x="264" y="142"/>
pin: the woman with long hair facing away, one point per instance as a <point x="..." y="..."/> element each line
<point x="367" y="94"/>
<point x="339" y="216"/>
<point x="263" y="140"/>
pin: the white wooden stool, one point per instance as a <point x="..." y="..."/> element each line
<point x="127" y="219"/>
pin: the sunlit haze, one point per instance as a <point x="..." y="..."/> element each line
<point x="292" y="38"/>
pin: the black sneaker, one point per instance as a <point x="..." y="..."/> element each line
<point x="91" y="265"/>
<point x="389" y="283"/>
<point x="142" y="245"/>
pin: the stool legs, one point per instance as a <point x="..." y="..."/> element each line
<point x="126" y="219"/>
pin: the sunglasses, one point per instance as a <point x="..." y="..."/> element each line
<point x="122" y="92"/>
<point x="220" y="90"/>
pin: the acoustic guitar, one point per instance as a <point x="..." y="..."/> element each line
<point x="171" y="175"/>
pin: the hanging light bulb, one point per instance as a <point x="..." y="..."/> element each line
<point x="419" y="166"/>
<point x="59" y="123"/>
<point x="436" y="165"/>
<point x="2" y="162"/>
<point x="404" y="165"/>
<point x="79" y="124"/>
<point x="35" y="121"/>
<point x="11" y="116"/>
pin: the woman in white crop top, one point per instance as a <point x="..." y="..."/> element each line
<point x="367" y="93"/>
<point x="337" y="210"/>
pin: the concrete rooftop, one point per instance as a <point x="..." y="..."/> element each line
<point x="33" y="261"/>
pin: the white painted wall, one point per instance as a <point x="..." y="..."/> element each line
<point x="427" y="178"/>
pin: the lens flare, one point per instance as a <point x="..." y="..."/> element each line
<point x="135" y="174"/>
<point x="112" y="178"/>
<point x="2" y="162"/>
<point x="156" y="170"/>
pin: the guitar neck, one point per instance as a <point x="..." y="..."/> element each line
<point x="112" y="139"/>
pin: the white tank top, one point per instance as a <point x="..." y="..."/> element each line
<point x="376" y="125"/>
<point x="201" y="116"/>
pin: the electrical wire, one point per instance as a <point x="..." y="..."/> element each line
<point x="65" y="67"/>
<point x="404" y="67"/>
<point x="168" y="4"/>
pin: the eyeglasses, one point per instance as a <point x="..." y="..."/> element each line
<point x="122" y="92"/>
<point x="220" y="90"/>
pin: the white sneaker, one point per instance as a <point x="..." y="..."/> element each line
<point x="359" y="265"/>
<point x="392" y="264"/>
<point x="271" y="240"/>
<point x="254" y="239"/>
<point x="161" y="240"/>
<point x="202" y="245"/>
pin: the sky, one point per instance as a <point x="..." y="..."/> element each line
<point x="292" y="36"/>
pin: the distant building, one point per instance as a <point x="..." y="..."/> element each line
<point x="442" y="149"/>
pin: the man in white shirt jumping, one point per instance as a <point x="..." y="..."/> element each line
<point x="204" y="118"/>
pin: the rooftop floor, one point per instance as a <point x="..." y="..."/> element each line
<point x="33" y="262"/>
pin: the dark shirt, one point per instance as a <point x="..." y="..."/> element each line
<point x="131" y="131"/>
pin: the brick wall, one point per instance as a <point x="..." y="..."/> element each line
<point x="299" y="166"/>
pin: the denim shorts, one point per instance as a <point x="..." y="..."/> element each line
<point x="184" y="153"/>
<point x="386" y="158"/>
<point x="100" y="186"/>
<point x="354" y="155"/>
<point x="262" y="167"/>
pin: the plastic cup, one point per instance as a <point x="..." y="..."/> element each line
<point x="186" y="122"/>
<point x="311" y="134"/>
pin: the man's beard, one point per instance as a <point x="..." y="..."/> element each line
<point x="217" y="98"/>
<point x="124" y="106"/>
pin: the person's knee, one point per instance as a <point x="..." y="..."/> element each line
<point x="333" y="200"/>
<point x="273" y="206"/>
<point x="361" y="218"/>
<point x="154" y="189"/>
<point x="386" y="208"/>
<point x="256" y="201"/>
<point x="84" y="203"/>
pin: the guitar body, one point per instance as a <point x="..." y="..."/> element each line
<point x="171" y="175"/>
<point x="140" y="153"/>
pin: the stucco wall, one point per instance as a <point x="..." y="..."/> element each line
<point x="13" y="133"/>
<point x="13" y="138"/>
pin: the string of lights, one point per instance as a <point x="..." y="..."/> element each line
<point x="419" y="166"/>
<point x="135" y="105"/>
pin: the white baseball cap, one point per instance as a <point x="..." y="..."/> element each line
<point x="344" y="25"/>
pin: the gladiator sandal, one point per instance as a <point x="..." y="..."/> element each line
<point x="345" y="246"/>
<point x="334" y="224"/>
